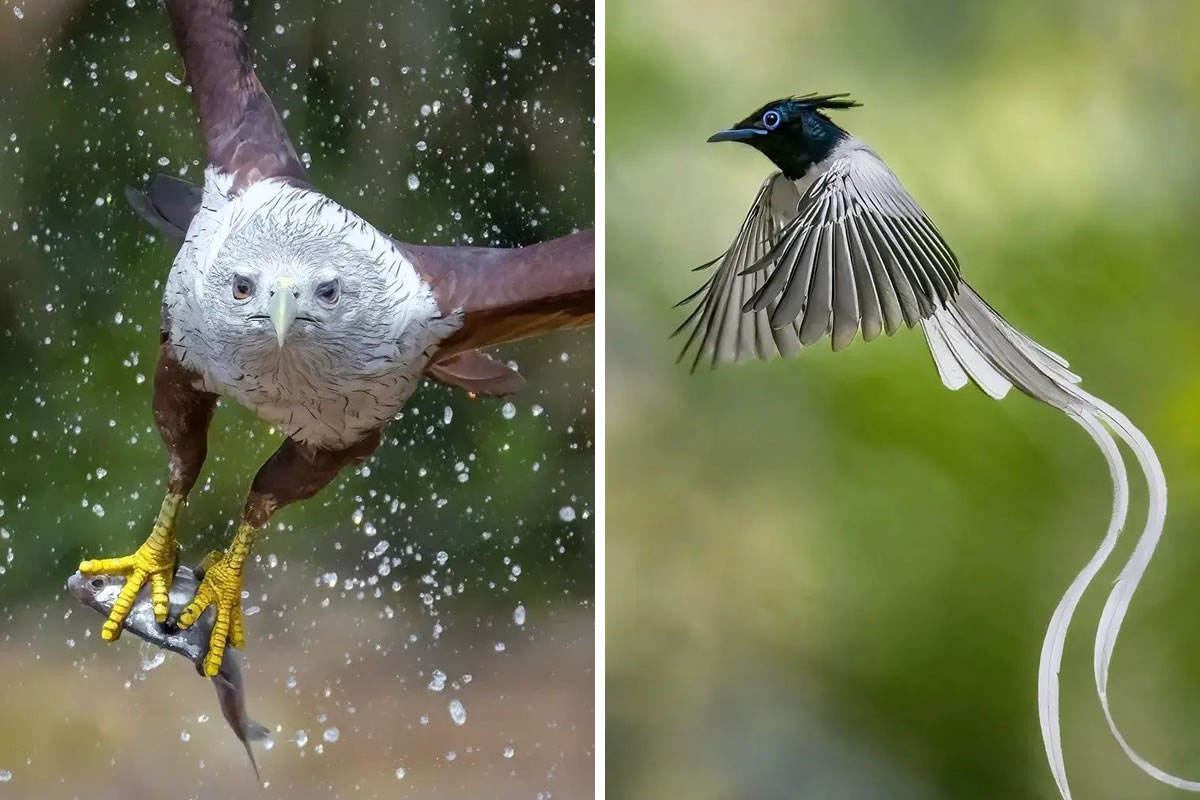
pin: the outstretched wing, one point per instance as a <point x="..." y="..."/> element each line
<point x="505" y="294"/>
<point x="857" y="253"/>
<point x="243" y="135"/>
<point x="719" y="329"/>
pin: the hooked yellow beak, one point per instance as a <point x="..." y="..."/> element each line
<point x="283" y="308"/>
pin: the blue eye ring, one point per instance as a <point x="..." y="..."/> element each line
<point x="771" y="120"/>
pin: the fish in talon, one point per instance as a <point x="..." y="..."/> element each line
<point x="100" y="592"/>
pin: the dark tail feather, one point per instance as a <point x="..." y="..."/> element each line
<point x="971" y="342"/>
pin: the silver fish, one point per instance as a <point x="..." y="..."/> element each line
<point x="99" y="593"/>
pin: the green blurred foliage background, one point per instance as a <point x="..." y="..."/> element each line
<point x="488" y="106"/>
<point x="834" y="575"/>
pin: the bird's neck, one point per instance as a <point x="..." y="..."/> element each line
<point x="796" y="156"/>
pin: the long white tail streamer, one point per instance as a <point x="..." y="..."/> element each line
<point x="1131" y="574"/>
<point x="970" y="342"/>
<point x="1060" y="621"/>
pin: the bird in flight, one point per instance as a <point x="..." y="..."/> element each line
<point x="835" y="246"/>
<point x="307" y="314"/>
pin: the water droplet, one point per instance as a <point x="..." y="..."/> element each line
<point x="457" y="713"/>
<point x="131" y="74"/>
<point x="301" y="738"/>
<point x="566" y="514"/>
<point x="400" y="773"/>
<point x="331" y="735"/>
<point x="152" y="656"/>
<point x="509" y="752"/>
<point x="438" y="682"/>
<point x="5" y="775"/>
<point x="508" y="411"/>
<point x="413" y="181"/>
<point x="519" y="615"/>
<point x="489" y="168"/>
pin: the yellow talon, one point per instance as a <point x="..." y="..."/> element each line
<point x="154" y="560"/>
<point x="222" y="588"/>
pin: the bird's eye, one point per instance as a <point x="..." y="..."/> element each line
<point x="771" y="120"/>
<point x="329" y="291"/>
<point x="243" y="287"/>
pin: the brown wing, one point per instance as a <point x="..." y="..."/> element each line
<point x="243" y="135"/>
<point x="508" y="294"/>
<point x="476" y="372"/>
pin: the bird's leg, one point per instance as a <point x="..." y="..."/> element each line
<point x="296" y="472"/>
<point x="182" y="413"/>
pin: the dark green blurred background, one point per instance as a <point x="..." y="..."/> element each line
<point x="834" y="575"/>
<point x="484" y="508"/>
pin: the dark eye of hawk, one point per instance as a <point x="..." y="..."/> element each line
<point x="243" y="287"/>
<point x="329" y="291"/>
<point x="771" y="120"/>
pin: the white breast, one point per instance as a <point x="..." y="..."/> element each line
<point x="332" y="412"/>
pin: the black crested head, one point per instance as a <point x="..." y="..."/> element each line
<point x="792" y="132"/>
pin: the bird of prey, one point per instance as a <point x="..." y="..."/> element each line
<point x="306" y="313"/>
<point x="834" y="245"/>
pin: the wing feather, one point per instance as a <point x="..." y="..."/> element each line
<point x="853" y="253"/>
<point x="819" y="303"/>
<point x="847" y="308"/>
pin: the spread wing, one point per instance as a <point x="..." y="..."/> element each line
<point x="243" y="134"/>
<point x="719" y="328"/>
<point x="505" y="294"/>
<point x="855" y="253"/>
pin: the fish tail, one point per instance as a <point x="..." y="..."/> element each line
<point x="971" y="342"/>
<point x="253" y="763"/>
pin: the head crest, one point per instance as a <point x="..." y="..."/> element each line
<point x="821" y="101"/>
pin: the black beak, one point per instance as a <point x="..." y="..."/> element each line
<point x="736" y="135"/>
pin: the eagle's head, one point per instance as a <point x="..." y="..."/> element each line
<point x="290" y="279"/>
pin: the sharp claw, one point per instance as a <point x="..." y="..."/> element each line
<point x="155" y="559"/>
<point x="222" y="587"/>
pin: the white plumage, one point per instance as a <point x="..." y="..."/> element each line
<point x="345" y="368"/>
